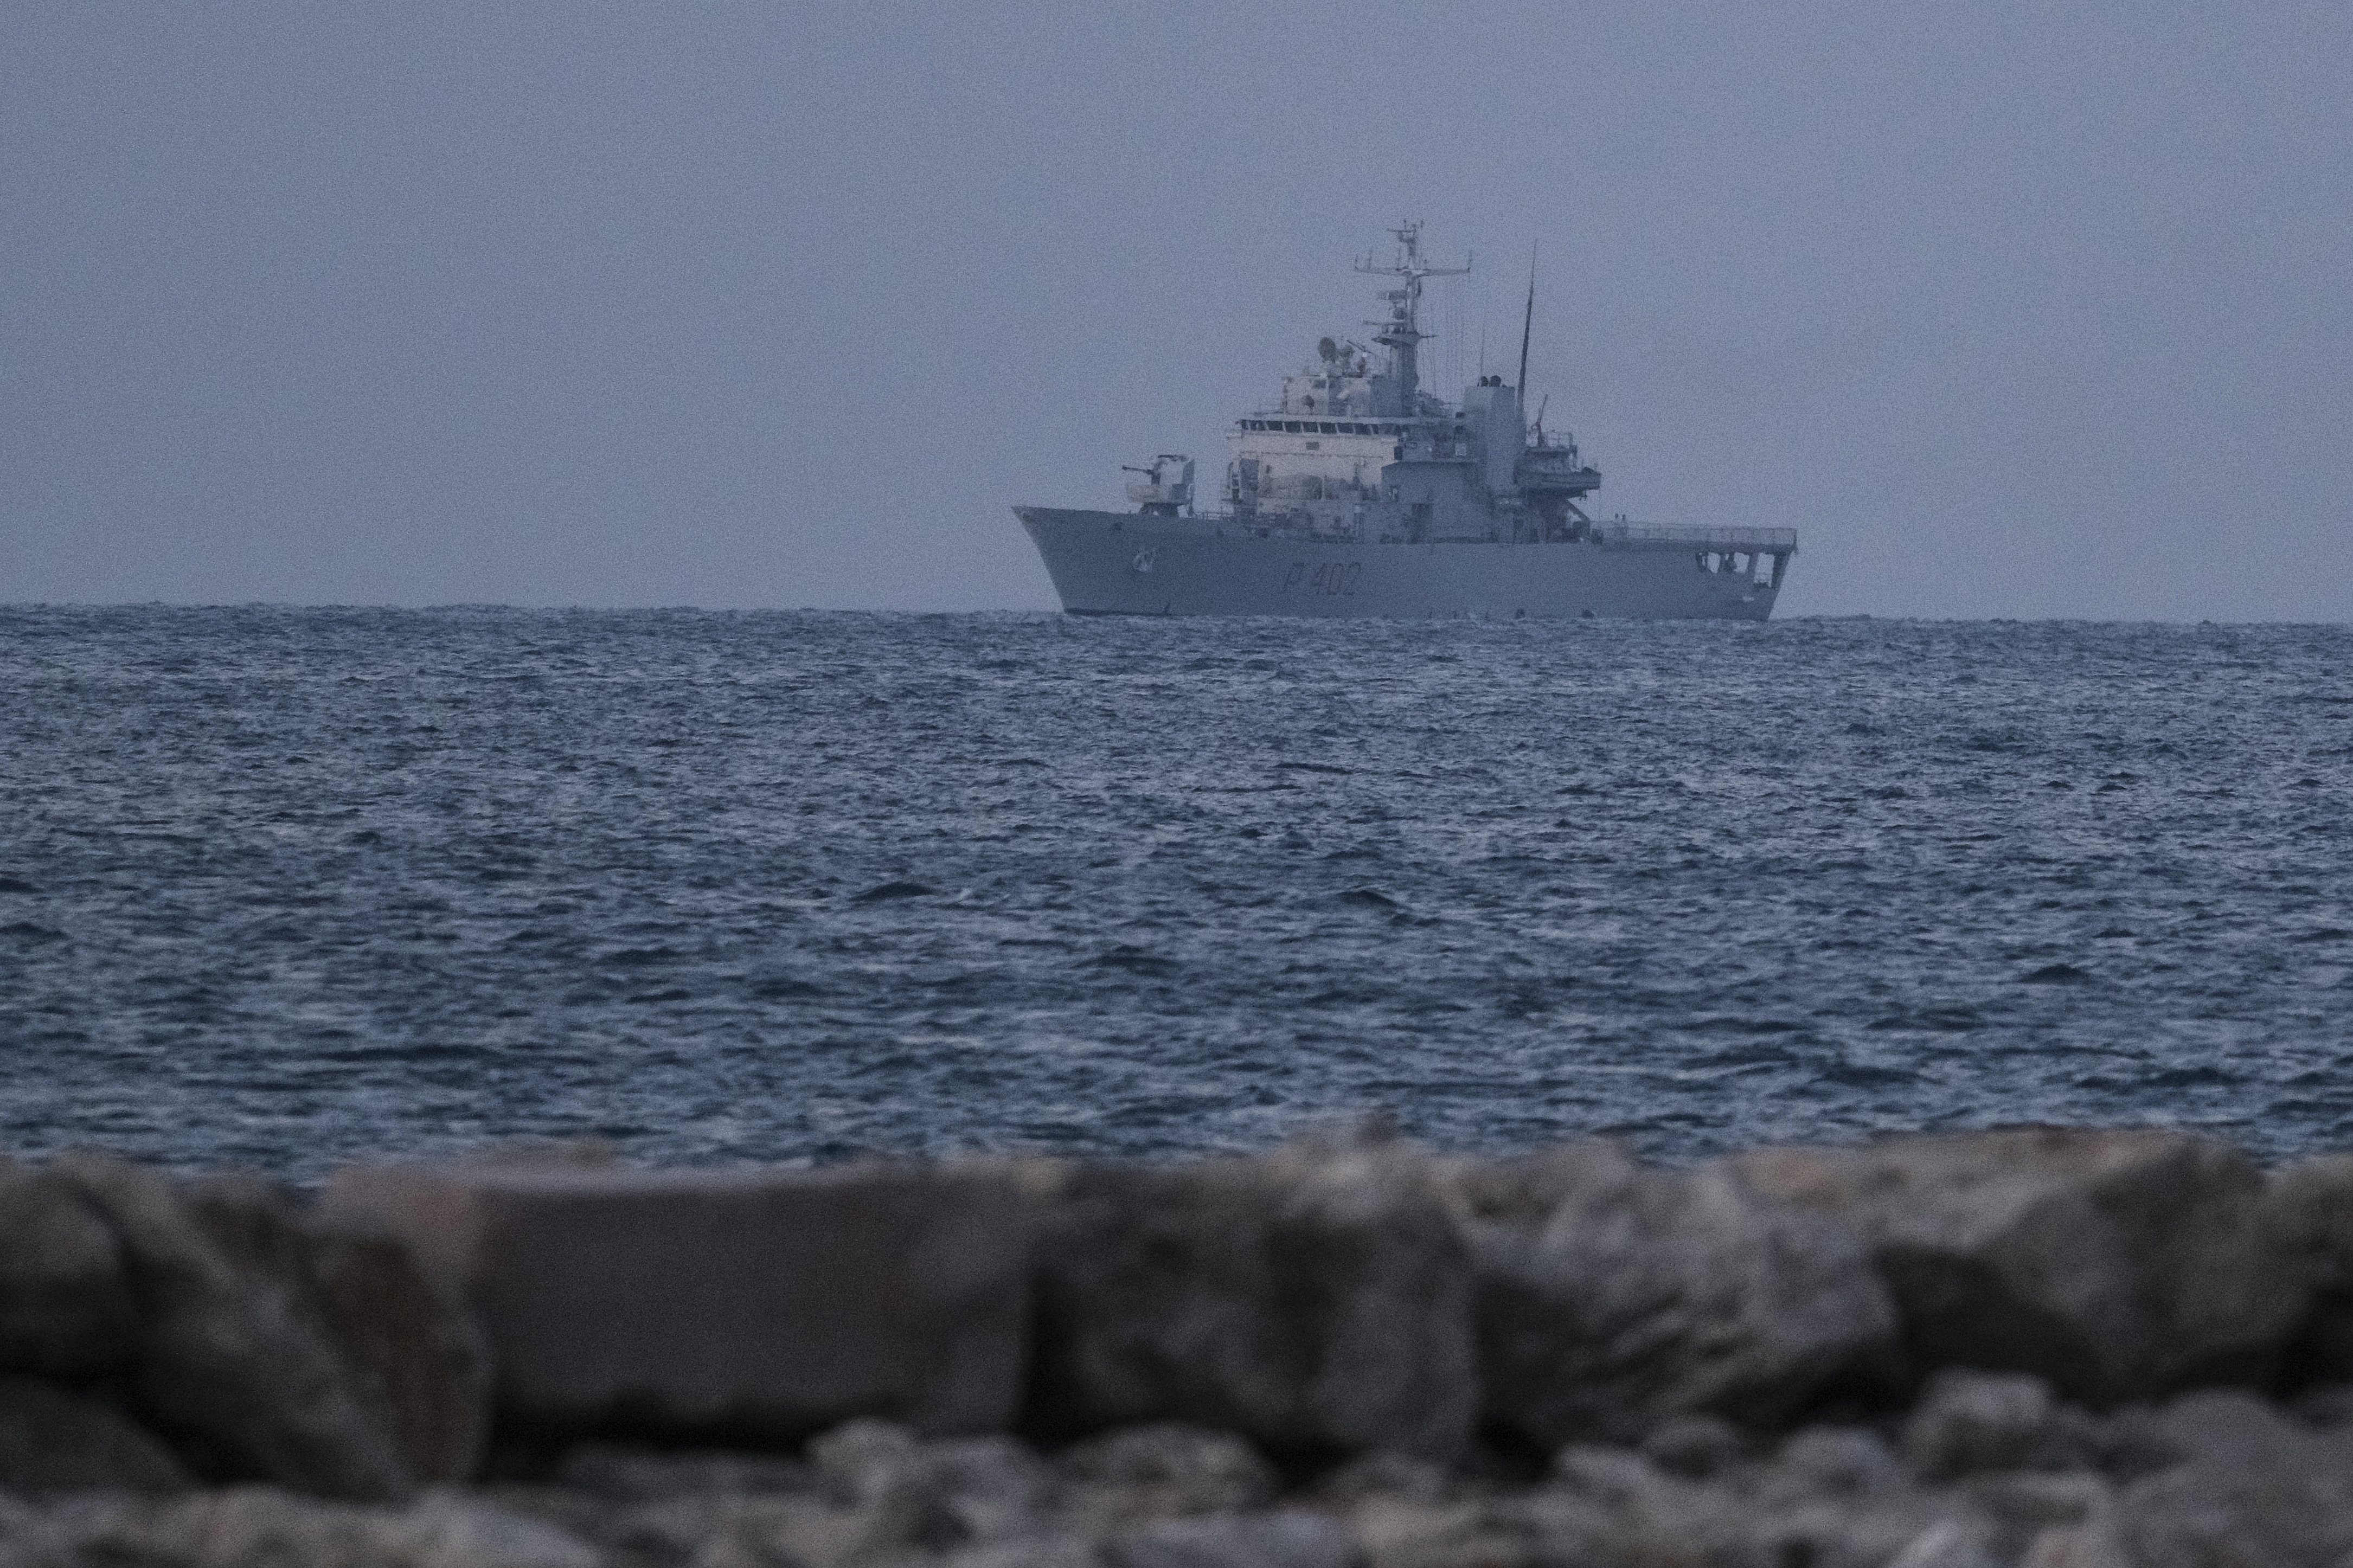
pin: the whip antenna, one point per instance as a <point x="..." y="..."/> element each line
<point x="1527" y="323"/>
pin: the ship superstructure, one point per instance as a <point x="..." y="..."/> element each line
<point x="1360" y="493"/>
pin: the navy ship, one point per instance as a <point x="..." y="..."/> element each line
<point x="1360" y="494"/>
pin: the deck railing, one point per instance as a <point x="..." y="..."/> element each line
<point x="1766" y="539"/>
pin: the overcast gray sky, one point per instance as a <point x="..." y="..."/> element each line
<point x="2010" y="309"/>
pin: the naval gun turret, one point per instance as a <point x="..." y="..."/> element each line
<point x="1166" y="486"/>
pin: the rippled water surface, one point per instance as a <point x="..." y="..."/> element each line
<point x="286" y="887"/>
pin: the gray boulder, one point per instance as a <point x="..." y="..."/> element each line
<point x="1613" y="1298"/>
<point x="1695" y="1446"/>
<point x="2114" y="1264"/>
<point x="246" y="1526"/>
<point x="2309" y="1208"/>
<point x="1313" y="1299"/>
<point x="2094" y="1545"/>
<point x="1830" y="1499"/>
<point x="55" y="1440"/>
<point x="1967" y="1422"/>
<point x="1285" y="1539"/>
<point x="2021" y="1511"/>
<point x="1165" y="1471"/>
<point x="952" y="1491"/>
<point x="1836" y="1461"/>
<point x="233" y="1363"/>
<point x="2253" y="1486"/>
<point x="1553" y="1527"/>
<point x="66" y="1304"/>
<point x="758" y="1529"/>
<point x="1396" y="1477"/>
<point x="1947" y="1544"/>
<point x="415" y="1357"/>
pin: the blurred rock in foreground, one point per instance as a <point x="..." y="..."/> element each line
<point x="2029" y="1348"/>
<point x="750" y="1304"/>
<point x="256" y="1342"/>
<point x="2200" y="1481"/>
<point x="1316" y="1298"/>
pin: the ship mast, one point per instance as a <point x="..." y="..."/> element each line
<point x="1401" y="332"/>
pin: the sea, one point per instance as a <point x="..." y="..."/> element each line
<point x="288" y="887"/>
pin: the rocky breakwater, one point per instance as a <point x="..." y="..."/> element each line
<point x="2032" y="1346"/>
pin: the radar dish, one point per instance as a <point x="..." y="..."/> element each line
<point x="1328" y="348"/>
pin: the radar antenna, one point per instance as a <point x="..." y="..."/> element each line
<point x="1402" y="330"/>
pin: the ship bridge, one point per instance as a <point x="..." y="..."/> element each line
<point x="1356" y="450"/>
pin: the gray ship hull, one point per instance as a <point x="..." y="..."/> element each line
<point x="1110" y="563"/>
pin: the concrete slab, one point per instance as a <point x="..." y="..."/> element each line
<point x="758" y="1304"/>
